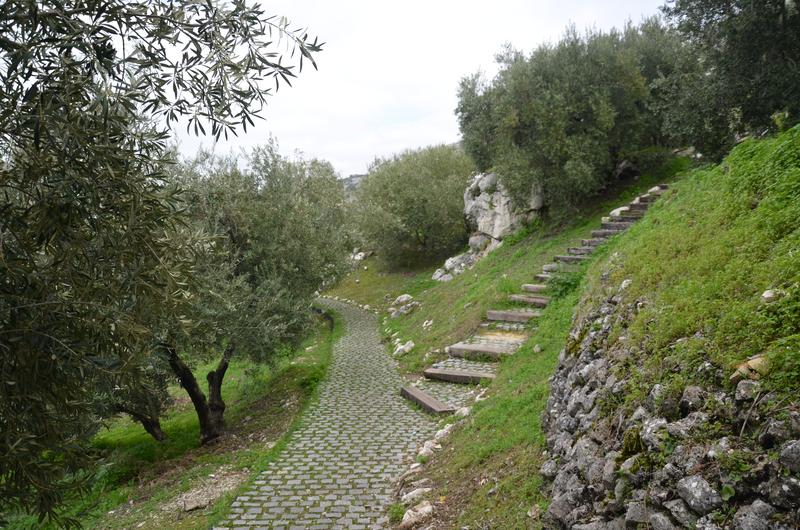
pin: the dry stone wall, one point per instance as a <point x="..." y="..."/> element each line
<point x="715" y="458"/>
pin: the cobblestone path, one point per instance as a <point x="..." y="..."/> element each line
<point x="339" y="467"/>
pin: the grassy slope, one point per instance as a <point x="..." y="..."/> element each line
<point x="141" y="476"/>
<point x="701" y="259"/>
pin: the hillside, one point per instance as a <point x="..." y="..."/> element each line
<point x="636" y="353"/>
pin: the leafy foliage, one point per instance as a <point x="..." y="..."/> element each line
<point x="88" y="261"/>
<point x="748" y="77"/>
<point x="410" y="206"/>
<point x="562" y="118"/>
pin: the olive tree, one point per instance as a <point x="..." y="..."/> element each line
<point x="88" y="263"/>
<point x="272" y="236"/>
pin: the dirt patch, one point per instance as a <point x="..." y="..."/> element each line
<point x="207" y="491"/>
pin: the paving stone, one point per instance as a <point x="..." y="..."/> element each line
<point x="340" y="466"/>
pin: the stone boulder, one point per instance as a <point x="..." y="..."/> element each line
<point x="492" y="214"/>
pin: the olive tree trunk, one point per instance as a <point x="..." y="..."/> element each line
<point x="210" y="411"/>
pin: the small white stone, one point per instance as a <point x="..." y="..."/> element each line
<point x="463" y="412"/>
<point x="413" y="495"/>
<point x="769" y="296"/>
<point x="625" y="284"/>
<point x="444" y="432"/>
<point x="537" y="348"/>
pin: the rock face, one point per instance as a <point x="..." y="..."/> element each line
<point x="656" y="464"/>
<point x="492" y="214"/>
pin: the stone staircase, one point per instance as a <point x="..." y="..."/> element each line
<point x="450" y="384"/>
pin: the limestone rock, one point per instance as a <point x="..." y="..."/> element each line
<point x="661" y="521"/>
<point x="681" y="512"/>
<point x="441" y="275"/>
<point x="699" y="494"/>
<point x="753" y="517"/>
<point x="747" y="390"/>
<point x="402" y="299"/>
<point x="402" y="349"/>
<point x="416" y="515"/>
<point x="790" y="456"/>
<point x="769" y="296"/>
<point x="490" y="211"/>
<point x="413" y="495"/>
<point x="692" y="399"/>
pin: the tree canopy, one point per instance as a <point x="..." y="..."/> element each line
<point x="88" y="260"/>
<point x="565" y="116"/>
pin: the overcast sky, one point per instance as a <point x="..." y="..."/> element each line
<point x="389" y="72"/>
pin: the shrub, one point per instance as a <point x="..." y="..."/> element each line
<point x="410" y="206"/>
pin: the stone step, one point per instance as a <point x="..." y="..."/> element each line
<point x="571" y="258"/>
<point x="511" y="315"/>
<point x="543" y="276"/>
<point x="614" y="225"/>
<point x="499" y="336"/>
<point x="536" y="301"/>
<point x="625" y="218"/>
<point x="503" y="325"/>
<point x="592" y="242"/>
<point x="638" y="206"/>
<point x="647" y="198"/>
<point x="605" y="233"/>
<point x="462" y="377"/>
<point x="425" y="400"/>
<point x="534" y="287"/>
<point x="580" y="251"/>
<point x="550" y="267"/>
<point x="469" y="350"/>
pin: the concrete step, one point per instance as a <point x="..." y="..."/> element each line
<point x="462" y="377"/>
<point x="467" y="350"/>
<point x="580" y="251"/>
<point x="550" y="267"/>
<point x="615" y="225"/>
<point x="425" y="400"/>
<point x="536" y="301"/>
<point x="534" y="287"/>
<point x="605" y="233"/>
<point x="647" y="198"/>
<point x="543" y="276"/>
<point x="639" y="206"/>
<point x="571" y="258"/>
<point x="593" y="242"/>
<point x="511" y="315"/>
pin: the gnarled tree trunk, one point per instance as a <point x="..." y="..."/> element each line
<point x="210" y="412"/>
<point x="151" y="424"/>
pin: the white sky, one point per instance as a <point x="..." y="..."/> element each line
<point x="389" y="72"/>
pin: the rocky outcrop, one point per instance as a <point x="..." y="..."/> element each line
<point x="711" y="457"/>
<point x="491" y="212"/>
<point x="491" y="215"/>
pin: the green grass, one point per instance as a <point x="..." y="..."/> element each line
<point x="701" y="260"/>
<point x="139" y="476"/>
